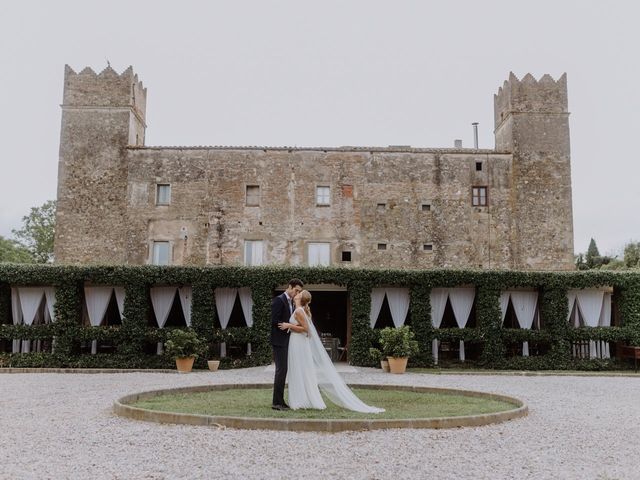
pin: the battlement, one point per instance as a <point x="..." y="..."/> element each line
<point x="530" y="95"/>
<point x="104" y="89"/>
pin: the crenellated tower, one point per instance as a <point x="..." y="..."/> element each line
<point x="102" y="114"/>
<point x="532" y="123"/>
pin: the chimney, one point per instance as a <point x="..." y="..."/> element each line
<point x="475" y="135"/>
<point x="457" y="143"/>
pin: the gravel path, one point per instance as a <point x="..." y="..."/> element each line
<point x="60" y="426"/>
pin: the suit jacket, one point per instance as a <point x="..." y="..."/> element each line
<point x="280" y="312"/>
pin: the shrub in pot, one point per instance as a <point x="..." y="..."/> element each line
<point x="398" y="344"/>
<point x="377" y="356"/>
<point x="184" y="346"/>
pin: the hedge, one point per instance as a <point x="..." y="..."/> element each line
<point x="131" y="337"/>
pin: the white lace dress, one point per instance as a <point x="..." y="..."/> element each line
<point x="311" y="371"/>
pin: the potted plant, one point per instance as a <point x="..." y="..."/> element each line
<point x="377" y="356"/>
<point x="213" y="364"/>
<point x="184" y="346"/>
<point x="398" y="344"/>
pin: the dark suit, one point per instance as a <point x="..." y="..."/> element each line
<point x="280" y="312"/>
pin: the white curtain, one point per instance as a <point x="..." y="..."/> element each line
<point x="162" y="299"/>
<point x="504" y="304"/>
<point x="119" y="291"/>
<point x="16" y="313"/>
<point x="398" y="299"/>
<point x="246" y="301"/>
<point x="461" y="302"/>
<point x="590" y="302"/>
<point x="30" y="301"/>
<point x="605" y="321"/>
<point x="438" y="298"/>
<point x="377" y="298"/>
<point x="97" y="300"/>
<point x="524" y="304"/>
<point x="571" y="298"/>
<point x="225" y="298"/>
<point x="50" y="296"/>
<point x="185" y="301"/>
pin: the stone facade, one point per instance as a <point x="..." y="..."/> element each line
<point x="397" y="207"/>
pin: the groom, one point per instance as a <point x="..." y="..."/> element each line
<point x="281" y="310"/>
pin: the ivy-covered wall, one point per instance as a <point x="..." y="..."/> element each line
<point x="134" y="336"/>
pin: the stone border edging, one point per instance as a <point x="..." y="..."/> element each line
<point x="85" y="370"/>
<point x="123" y="408"/>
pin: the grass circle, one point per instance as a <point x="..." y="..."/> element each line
<point x="249" y="406"/>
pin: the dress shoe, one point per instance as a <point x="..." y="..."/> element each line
<point x="280" y="407"/>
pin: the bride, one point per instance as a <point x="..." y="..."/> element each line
<point x="311" y="369"/>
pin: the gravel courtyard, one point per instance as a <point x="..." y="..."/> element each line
<point x="60" y="426"/>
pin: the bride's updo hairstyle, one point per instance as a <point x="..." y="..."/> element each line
<point x="305" y="301"/>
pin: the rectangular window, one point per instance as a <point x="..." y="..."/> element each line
<point x="161" y="253"/>
<point x="253" y="252"/>
<point x="319" y="254"/>
<point x="427" y="247"/>
<point x="479" y="196"/>
<point x="346" y="256"/>
<point x="478" y="166"/>
<point x="382" y="246"/>
<point x="163" y="194"/>
<point x="323" y="195"/>
<point x="253" y="196"/>
<point x="425" y="207"/>
<point x="381" y="207"/>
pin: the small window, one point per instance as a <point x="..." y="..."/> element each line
<point x="253" y="196"/>
<point x="163" y="194"/>
<point x="427" y="247"/>
<point x="346" y="256"/>
<point x="323" y="195"/>
<point x="161" y="251"/>
<point x="425" y="207"/>
<point x="381" y="207"/>
<point x="382" y="246"/>
<point x="319" y="254"/>
<point x="253" y="252"/>
<point x="479" y="196"/>
<point x="478" y="166"/>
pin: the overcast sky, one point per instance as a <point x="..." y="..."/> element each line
<point x="331" y="73"/>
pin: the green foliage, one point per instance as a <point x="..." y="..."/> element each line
<point x="632" y="255"/>
<point x="183" y="343"/>
<point x="137" y="335"/>
<point x="12" y="251"/>
<point x="38" y="231"/>
<point x="398" y="342"/>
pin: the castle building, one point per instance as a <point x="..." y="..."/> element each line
<point x="122" y="202"/>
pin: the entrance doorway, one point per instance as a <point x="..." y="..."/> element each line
<point x="331" y="313"/>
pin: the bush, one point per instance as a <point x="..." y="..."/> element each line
<point x="183" y="343"/>
<point x="398" y="342"/>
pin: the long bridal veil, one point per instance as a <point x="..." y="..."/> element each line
<point x="329" y="380"/>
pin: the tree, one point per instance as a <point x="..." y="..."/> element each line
<point x="632" y="255"/>
<point x="12" y="251"/>
<point x="580" y="263"/>
<point x="37" y="232"/>
<point x="592" y="254"/>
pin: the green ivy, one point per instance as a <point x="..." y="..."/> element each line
<point x="135" y="333"/>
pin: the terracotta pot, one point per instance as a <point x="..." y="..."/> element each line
<point x="184" y="364"/>
<point x="385" y="365"/>
<point x="213" y="364"/>
<point x="398" y="365"/>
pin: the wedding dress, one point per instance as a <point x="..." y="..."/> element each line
<point x="311" y="371"/>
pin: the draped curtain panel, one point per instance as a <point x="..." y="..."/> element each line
<point x="504" y="304"/>
<point x="590" y="302"/>
<point x="119" y="291"/>
<point x="225" y="298"/>
<point x="524" y="304"/>
<point x="377" y="298"/>
<point x="16" y="315"/>
<point x="461" y="302"/>
<point x="438" y="297"/>
<point x="97" y="300"/>
<point x="246" y="301"/>
<point x="30" y="300"/>
<point x="398" y="299"/>
<point x="162" y="299"/>
<point x="50" y="297"/>
<point x="185" y="294"/>
<point x="605" y="321"/>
